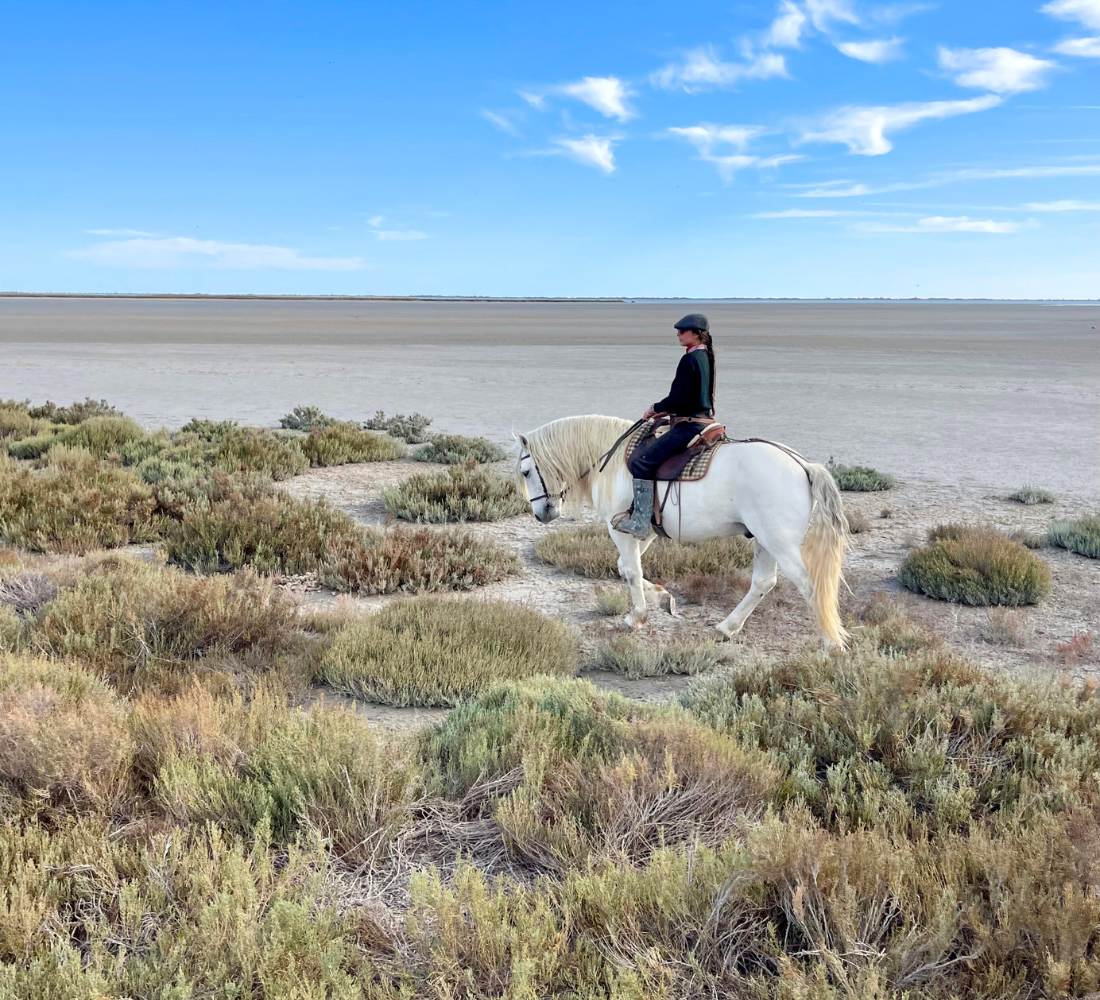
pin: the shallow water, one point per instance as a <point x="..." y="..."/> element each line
<point x="991" y="394"/>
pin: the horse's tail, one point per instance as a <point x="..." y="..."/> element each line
<point x="823" y="550"/>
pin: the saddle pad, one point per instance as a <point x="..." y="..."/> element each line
<point x="687" y="467"/>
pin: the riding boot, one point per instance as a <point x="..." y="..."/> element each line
<point x="637" y="523"/>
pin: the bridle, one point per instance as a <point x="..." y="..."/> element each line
<point x="545" y="494"/>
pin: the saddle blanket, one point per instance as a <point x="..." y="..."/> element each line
<point x="689" y="466"/>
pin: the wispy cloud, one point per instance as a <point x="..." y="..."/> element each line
<point x="378" y="228"/>
<point x="893" y="13"/>
<point x="703" y="69"/>
<point x="171" y="252"/>
<point x="1086" y="12"/>
<point x="607" y="94"/>
<point x="825" y="13"/>
<point x="881" y="50"/>
<point x="786" y="30"/>
<point x="945" y="224"/>
<point x="808" y="213"/>
<point x="709" y="141"/>
<point x="1081" y="48"/>
<point x="853" y="189"/>
<point x="1065" y="205"/>
<point x="591" y="150"/>
<point x="1001" y="70"/>
<point x="537" y="101"/>
<point x="864" y="130"/>
<point x="122" y="233"/>
<point x="501" y="121"/>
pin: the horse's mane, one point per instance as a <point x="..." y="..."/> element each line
<point x="567" y="450"/>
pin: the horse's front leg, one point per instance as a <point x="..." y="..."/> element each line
<point x="630" y="569"/>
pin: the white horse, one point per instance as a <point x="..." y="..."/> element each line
<point x="791" y="506"/>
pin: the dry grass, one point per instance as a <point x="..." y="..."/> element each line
<point x="612" y="600"/>
<point x="1029" y="495"/>
<point x="860" y="478"/>
<point x="343" y="443"/>
<point x="722" y="589"/>
<point x="976" y="565"/>
<point x="635" y="658"/>
<point x="1006" y="627"/>
<point x="858" y="522"/>
<point x="436" y="651"/>
<point x="1081" y="536"/>
<point x="590" y="552"/>
<point x="891" y="630"/>
<point x="1078" y="647"/>
<point x="461" y="493"/>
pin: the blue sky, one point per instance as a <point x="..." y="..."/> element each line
<point x="778" y="148"/>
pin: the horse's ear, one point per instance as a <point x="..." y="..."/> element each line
<point x="520" y="438"/>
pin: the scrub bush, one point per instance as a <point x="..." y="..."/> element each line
<point x="460" y="493"/>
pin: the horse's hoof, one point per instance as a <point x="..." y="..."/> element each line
<point x="725" y="634"/>
<point x="672" y="607"/>
<point x="633" y="620"/>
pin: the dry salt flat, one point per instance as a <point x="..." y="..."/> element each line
<point x="781" y="623"/>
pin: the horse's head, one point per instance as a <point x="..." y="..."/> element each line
<point x="544" y="497"/>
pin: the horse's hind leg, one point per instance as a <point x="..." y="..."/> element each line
<point x="764" y="572"/>
<point x="630" y="569"/>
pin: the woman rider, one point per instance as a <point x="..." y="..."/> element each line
<point x="690" y="402"/>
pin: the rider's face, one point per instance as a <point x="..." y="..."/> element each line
<point x="688" y="338"/>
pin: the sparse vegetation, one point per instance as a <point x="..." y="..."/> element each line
<point x="636" y="659"/>
<point x="457" y="449"/>
<point x="1081" y="536"/>
<point x="437" y="651"/>
<point x="305" y="418"/>
<point x="1075" y="648"/>
<point x="612" y="600"/>
<point x="1030" y="495"/>
<point x="590" y="552"/>
<point x="860" y="478"/>
<point x="858" y="522"/>
<point x="891" y="630"/>
<point x="410" y="427"/>
<point x="460" y="493"/>
<point x="342" y="443"/>
<point x="975" y="565"/>
<point x="246" y="449"/>
<point x="1005" y="627"/>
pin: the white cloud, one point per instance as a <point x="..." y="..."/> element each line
<point x="376" y="222"/>
<point x="880" y="50"/>
<point x="707" y="140"/>
<point x="1003" y="71"/>
<point x="141" y="233"/>
<point x="171" y="252"/>
<point x="701" y="69"/>
<point x="500" y="121"/>
<point x="607" y="94"/>
<point x="786" y="30"/>
<point x="1085" y="48"/>
<point x="591" y="150"/>
<point x="805" y="213"/>
<point x="850" y="189"/>
<point x="893" y="13"/>
<point x="864" y="129"/>
<point x="537" y="101"/>
<point x="1087" y="12"/>
<point x="1064" y="206"/>
<point x="823" y="13"/>
<point x="945" y="224"/>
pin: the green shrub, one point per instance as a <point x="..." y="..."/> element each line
<point x="16" y="423"/>
<point x="636" y="659"/>
<point x="102" y="436"/>
<point x="1081" y="536"/>
<point x="209" y="430"/>
<point x="75" y="413"/>
<point x="974" y="565"/>
<point x="248" y="450"/>
<point x="590" y="552"/>
<point x="37" y="444"/>
<point x="1030" y="495"/>
<point x="410" y="427"/>
<point x="142" y="625"/>
<point x="460" y="493"/>
<point x="436" y="651"/>
<point x="416" y="561"/>
<point x="456" y="449"/>
<point x="75" y="508"/>
<point x="860" y="478"/>
<point x="305" y="418"/>
<point x="342" y="443"/>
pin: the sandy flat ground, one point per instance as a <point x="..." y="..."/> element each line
<point x="983" y="396"/>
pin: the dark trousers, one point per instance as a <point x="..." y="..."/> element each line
<point x="644" y="463"/>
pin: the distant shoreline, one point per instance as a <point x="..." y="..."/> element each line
<point x="581" y="300"/>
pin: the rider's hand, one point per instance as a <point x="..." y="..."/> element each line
<point x="649" y="412"/>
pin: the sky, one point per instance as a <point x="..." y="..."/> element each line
<point x="781" y="148"/>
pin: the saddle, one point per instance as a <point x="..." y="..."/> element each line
<point x="690" y="465"/>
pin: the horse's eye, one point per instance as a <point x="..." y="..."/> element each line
<point x="526" y="473"/>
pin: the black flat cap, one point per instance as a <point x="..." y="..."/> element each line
<point x="694" y="321"/>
